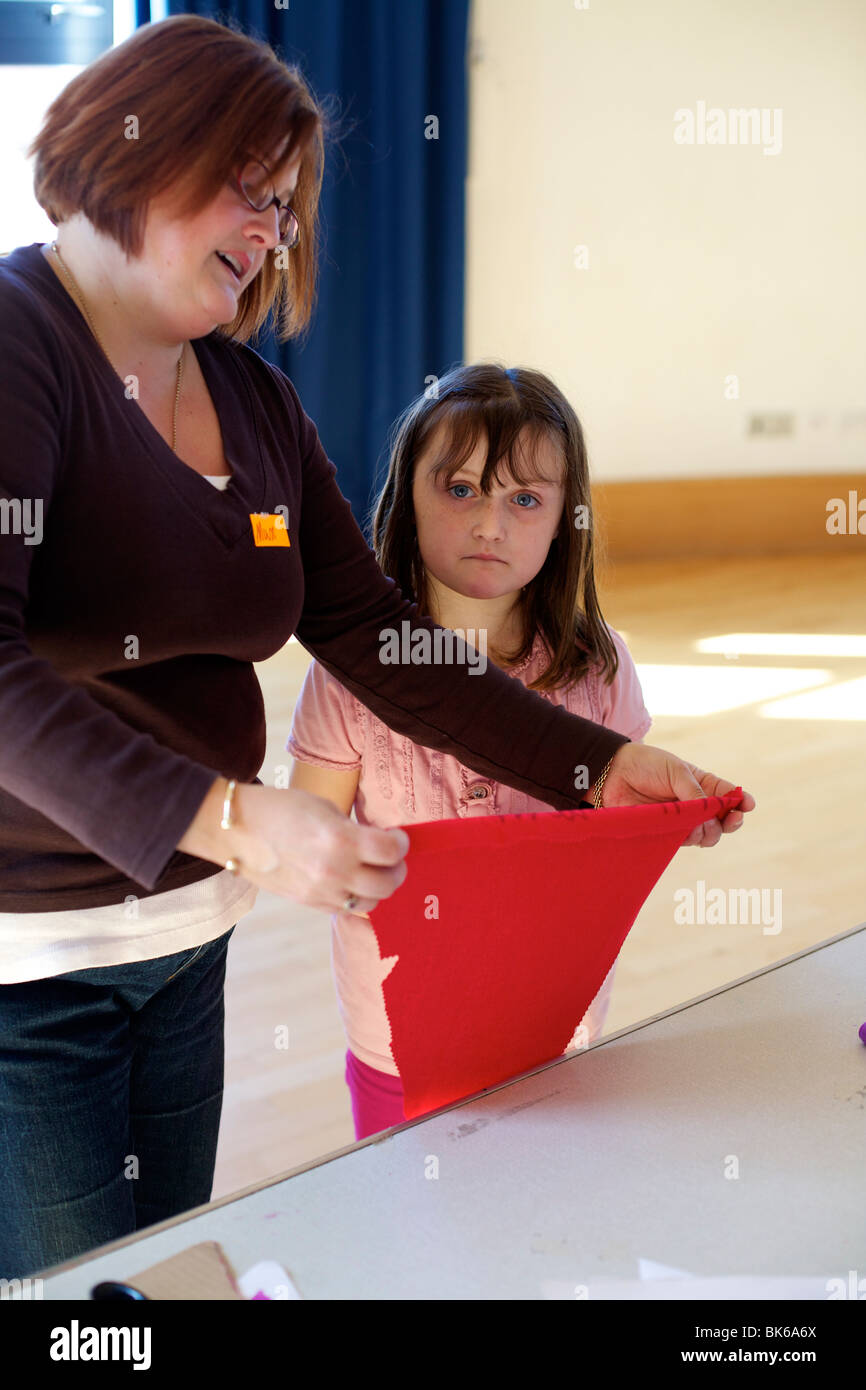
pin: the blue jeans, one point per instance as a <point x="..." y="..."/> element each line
<point x="111" y="1086"/>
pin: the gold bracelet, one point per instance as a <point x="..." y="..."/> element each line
<point x="596" y="800"/>
<point x="227" y="823"/>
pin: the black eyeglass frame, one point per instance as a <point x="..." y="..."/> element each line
<point x="281" y="207"/>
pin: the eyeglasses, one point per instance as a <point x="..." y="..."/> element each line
<point x="257" y="187"/>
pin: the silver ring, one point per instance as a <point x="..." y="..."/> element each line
<point x="351" y="903"/>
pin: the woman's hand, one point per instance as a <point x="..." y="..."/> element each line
<point x="640" y="773"/>
<point x="299" y="846"/>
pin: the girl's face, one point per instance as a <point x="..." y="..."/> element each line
<point x="485" y="546"/>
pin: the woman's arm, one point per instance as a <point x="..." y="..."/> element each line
<point x="299" y="845"/>
<point x="114" y="789"/>
<point x="490" y="722"/>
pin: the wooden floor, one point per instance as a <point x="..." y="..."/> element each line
<point x="791" y="728"/>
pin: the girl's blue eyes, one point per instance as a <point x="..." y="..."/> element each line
<point x="519" y="494"/>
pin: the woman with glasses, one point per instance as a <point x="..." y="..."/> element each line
<point x="169" y="518"/>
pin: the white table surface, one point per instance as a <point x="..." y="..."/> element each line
<point x="574" y="1174"/>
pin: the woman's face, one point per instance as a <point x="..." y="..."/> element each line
<point x="186" y="277"/>
<point x="457" y="523"/>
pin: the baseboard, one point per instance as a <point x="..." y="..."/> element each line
<point x="774" y="515"/>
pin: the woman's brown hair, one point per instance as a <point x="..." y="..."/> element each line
<point x="204" y="96"/>
<point x="507" y="408"/>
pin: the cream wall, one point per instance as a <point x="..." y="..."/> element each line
<point x="704" y="261"/>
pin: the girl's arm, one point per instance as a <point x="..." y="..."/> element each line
<point x="337" y="787"/>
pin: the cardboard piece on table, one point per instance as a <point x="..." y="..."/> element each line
<point x="505" y="928"/>
<point x="200" y="1274"/>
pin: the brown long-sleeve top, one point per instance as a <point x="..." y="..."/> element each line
<point x="134" y="601"/>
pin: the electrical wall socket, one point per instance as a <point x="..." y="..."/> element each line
<point x="771" y="424"/>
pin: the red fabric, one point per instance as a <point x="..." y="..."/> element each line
<point x="533" y="910"/>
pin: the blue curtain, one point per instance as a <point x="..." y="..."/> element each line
<point x="390" y="306"/>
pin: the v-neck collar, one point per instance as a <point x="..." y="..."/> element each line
<point x="226" y="511"/>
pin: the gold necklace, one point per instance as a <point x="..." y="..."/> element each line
<point x="68" y="276"/>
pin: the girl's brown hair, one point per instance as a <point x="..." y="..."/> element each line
<point x="204" y="96"/>
<point x="508" y="408"/>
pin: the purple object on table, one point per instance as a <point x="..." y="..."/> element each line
<point x="863" y="1032"/>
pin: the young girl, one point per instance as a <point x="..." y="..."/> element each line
<point x="485" y="522"/>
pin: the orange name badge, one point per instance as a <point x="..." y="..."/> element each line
<point x="269" y="530"/>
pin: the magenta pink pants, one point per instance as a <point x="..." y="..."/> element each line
<point x="377" y="1097"/>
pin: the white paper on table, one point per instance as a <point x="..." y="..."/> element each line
<point x="267" y="1280"/>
